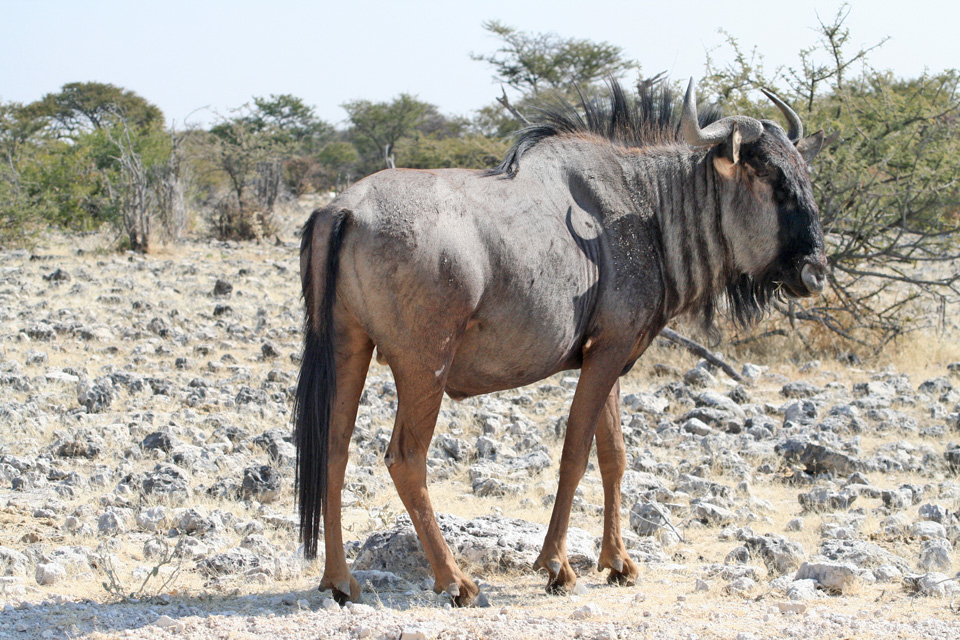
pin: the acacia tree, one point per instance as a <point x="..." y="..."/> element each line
<point x="378" y="126"/>
<point x="532" y="62"/>
<point x="71" y="156"/>
<point x="82" y="107"/>
<point x="237" y="149"/>
<point x="538" y="65"/>
<point x="298" y="137"/>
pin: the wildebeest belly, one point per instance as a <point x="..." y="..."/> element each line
<point x="518" y="344"/>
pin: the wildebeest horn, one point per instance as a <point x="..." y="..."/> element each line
<point x="717" y="132"/>
<point x="795" y="132"/>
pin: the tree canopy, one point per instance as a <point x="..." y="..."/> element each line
<point x="81" y="107"/>
<point x="532" y="62"/>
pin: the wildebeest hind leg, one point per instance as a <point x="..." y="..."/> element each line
<point x="353" y="354"/>
<point x="612" y="456"/>
<point x="598" y="376"/>
<point x="419" y="394"/>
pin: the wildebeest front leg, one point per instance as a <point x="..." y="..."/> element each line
<point x="597" y="377"/>
<point x="418" y="403"/>
<point x="612" y="455"/>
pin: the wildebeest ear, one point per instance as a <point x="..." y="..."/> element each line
<point x="810" y="146"/>
<point x="728" y="154"/>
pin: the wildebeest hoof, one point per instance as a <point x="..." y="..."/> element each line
<point x="621" y="579"/>
<point x="461" y="595"/>
<point x="562" y="579"/>
<point x="344" y="591"/>
<point x="623" y="571"/>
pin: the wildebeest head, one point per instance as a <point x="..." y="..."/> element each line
<point x="769" y="218"/>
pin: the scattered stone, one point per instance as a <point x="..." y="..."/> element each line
<point x="824" y="499"/>
<point x="796" y="524"/>
<point x="887" y="573"/>
<point x="168" y="623"/>
<point x="799" y="389"/>
<point x="896" y="499"/>
<point x="41" y="331"/>
<point x="934" y="584"/>
<point x="753" y="371"/>
<point x="262" y="483"/>
<point x="231" y="562"/>
<point x="712" y="514"/>
<point x="269" y="350"/>
<point x="222" y="288"/>
<point x="159" y="327"/>
<point x="831" y="576"/>
<point x="935" y="555"/>
<point x="646" y="403"/>
<point x="935" y="513"/>
<point x="935" y="386"/>
<point x="493" y="487"/>
<point x="153" y="519"/>
<point x="110" y="523"/>
<point x="97" y="398"/>
<point x="697" y="427"/>
<point x="740" y="586"/>
<point x="50" y="573"/>
<point x="647" y="518"/>
<point x="862" y="554"/>
<point x="699" y="378"/>
<point x="249" y="395"/>
<point x="801" y="412"/>
<point x="259" y="545"/>
<point x="926" y="530"/>
<point x="58" y="276"/>
<point x="329" y="604"/>
<point x="193" y="520"/>
<point x="167" y="481"/>
<point x="417" y="633"/>
<point x="159" y="440"/>
<point x="587" y="611"/>
<point x="379" y="581"/>
<point x="82" y="446"/>
<point x="779" y="554"/>
<point x="792" y="607"/>
<point x="817" y="459"/>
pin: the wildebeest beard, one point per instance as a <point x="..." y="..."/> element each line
<point x="748" y="296"/>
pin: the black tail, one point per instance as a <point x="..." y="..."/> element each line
<point x="317" y="385"/>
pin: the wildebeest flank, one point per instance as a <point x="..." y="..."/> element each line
<point x="597" y="228"/>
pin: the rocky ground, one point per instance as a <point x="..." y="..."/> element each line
<point x="146" y="478"/>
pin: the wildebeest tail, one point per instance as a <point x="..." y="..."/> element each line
<point x="317" y="383"/>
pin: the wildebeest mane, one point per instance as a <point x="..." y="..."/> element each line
<point x="651" y="118"/>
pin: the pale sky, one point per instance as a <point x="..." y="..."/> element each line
<point x="187" y="55"/>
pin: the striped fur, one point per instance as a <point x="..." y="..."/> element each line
<point x="683" y="192"/>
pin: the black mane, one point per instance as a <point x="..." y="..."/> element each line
<point x="652" y="118"/>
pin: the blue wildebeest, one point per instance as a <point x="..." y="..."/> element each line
<point x="595" y="230"/>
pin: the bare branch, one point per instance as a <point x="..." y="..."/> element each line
<point x="505" y="101"/>
<point x="700" y="350"/>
